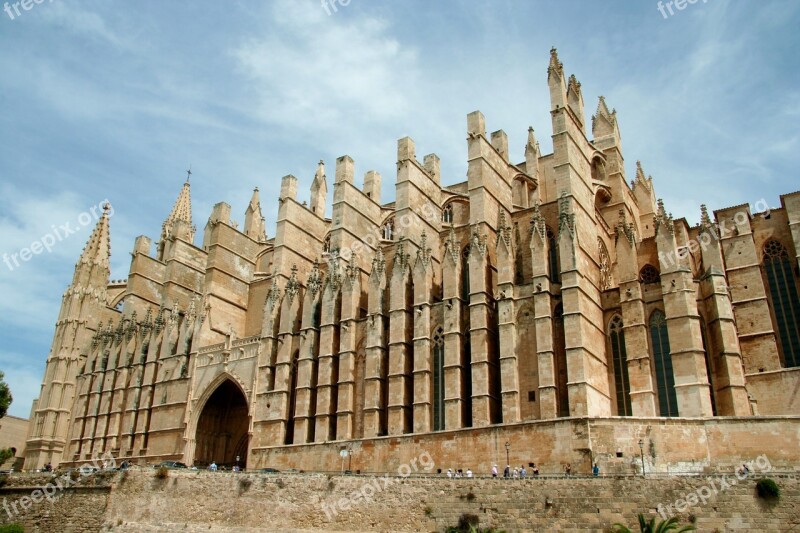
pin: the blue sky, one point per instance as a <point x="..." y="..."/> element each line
<point x="114" y="100"/>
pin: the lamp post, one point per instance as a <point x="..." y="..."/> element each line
<point x="237" y="462"/>
<point x="641" y="451"/>
<point x="508" y="445"/>
<point x="350" y="458"/>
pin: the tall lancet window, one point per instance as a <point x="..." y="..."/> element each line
<point x="553" y="259"/>
<point x="622" y="384"/>
<point x="665" y="379"/>
<point x="447" y="214"/>
<point x="438" y="380"/>
<point x="784" y="300"/>
<point x="388" y="230"/>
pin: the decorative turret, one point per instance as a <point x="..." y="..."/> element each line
<point x="319" y="191"/>
<point x="254" y="224"/>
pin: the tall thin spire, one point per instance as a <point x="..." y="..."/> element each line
<point x="98" y="248"/>
<point x="92" y="268"/>
<point x="178" y="224"/>
<point x="254" y="225"/>
<point x="182" y="210"/>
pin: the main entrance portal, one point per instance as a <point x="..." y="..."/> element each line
<point x="222" y="430"/>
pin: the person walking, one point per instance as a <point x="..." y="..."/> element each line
<point x="469" y="472"/>
<point x="507" y="471"/>
<point x="212" y="466"/>
<point x="494" y="471"/>
<point x="522" y="472"/>
<point x="595" y="470"/>
<point x="449" y="473"/>
<point x="568" y="470"/>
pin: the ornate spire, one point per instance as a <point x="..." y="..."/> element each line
<point x="452" y="246"/>
<point x="378" y="262"/>
<point x="603" y="115"/>
<point x="182" y="210"/>
<point x="503" y="230"/>
<point x="625" y="229"/>
<point x="661" y="218"/>
<point x="555" y="66"/>
<point x="315" y="279"/>
<point x="538" y="224"/>
<point x="293" y="285"/>
<point x="179" y="222"/>
<point x="98" y="248"/>
<point x="254" y="224"/>
<point x="641" y="179"/>
<point x="424" y="252"/>
<point x="319" y="190"/>
<point x="574" y="85"/>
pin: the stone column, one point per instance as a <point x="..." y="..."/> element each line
<point x="400" y="345"/>
<point x="305" y="400"/>
<point x="328" y="379"/>
<point x="423" y="354"/>
<point x="724" y="346"/>
<point x="485" y="392"/>
<point x="543" y="316"/>
<point x="631" y="294"/>
<point x="454" y="317"/>
<point x="507" y="330"/>
<point x="346" y="406"/>
<point x="375" y="378"/>
<point x="683" y="324"/>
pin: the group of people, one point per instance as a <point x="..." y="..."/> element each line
<point x="459" y="473"/>
<point x="516" y="473"/>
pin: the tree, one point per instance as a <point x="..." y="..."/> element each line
<point x="5" y="396"/>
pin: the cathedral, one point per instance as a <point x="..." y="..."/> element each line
<point x="548" y="309"/>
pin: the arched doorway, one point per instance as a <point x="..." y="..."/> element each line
<point x="222" y="429"/>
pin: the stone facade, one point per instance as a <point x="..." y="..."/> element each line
<point x="537" y="290"/>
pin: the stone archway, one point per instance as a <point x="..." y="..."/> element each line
<point x="222" y="428"/>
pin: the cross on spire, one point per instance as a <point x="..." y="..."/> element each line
<point x="188" y="173"/>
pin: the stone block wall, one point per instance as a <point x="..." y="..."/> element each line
<point x="257" y="502"/>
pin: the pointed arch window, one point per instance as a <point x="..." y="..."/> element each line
<point x="552" y="257"/>
<point x="438" y="380"/>
<point x="665" y="378"/>
<point x="387" y="231"/>
<point x="778" y="270"/>
<point x="622" y="384"/>
<point x="447" y="214"/>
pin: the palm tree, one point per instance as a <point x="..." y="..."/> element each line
<point x="666" y="526"/>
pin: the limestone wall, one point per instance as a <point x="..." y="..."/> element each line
<point x="220" y="502"/>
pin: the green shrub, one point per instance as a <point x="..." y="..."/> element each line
<point x="12" y="528"/>
<point x="768" y="489"/>
<point x="671" y="525"/>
